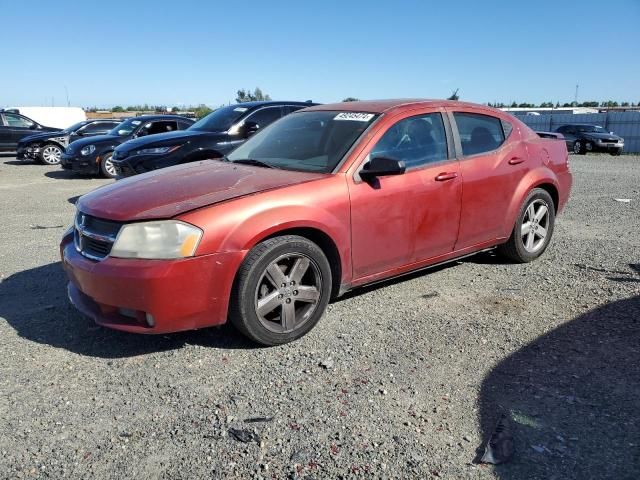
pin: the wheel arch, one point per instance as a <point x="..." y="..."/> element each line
<point x="542" y="178"/>
<point x="326" y="244"/>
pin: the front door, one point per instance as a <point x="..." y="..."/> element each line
<point x="399" y="220"/>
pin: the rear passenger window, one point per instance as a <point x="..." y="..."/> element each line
<point x="416" y="141"/>
<point x="507" y="128"/>
<point x="478" y="133"/>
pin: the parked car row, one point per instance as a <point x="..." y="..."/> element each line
<point x="116" y="148"/>
<point x="327" y="199"/>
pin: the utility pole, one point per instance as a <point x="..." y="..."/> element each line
<point x="575" y="99"/>
<point x="66" y="91"/>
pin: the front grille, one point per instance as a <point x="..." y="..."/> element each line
<point x="610" y="140"/>
<point x="94" y="237"/>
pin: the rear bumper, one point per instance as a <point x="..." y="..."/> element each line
<point x="565" y="181"/>
<point x="180" y="294"/>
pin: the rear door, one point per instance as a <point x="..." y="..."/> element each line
<point x="5" y="134"/>
<point x="493" y="159"/>
<point x="18" y="127"/>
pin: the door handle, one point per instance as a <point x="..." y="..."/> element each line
<point x="516" y="160"/>
<point x="446" y="176"/>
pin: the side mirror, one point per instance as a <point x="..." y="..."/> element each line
<point x="381" y="167"/>
<point x="34" y="126"/>
<point x="250" y="128"/>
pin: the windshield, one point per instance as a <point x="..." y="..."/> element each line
<point x="591" y="128"/>
<point x="305" y="141"/>
<point x="125" y="128"/>
<point x="220" y="120"/>
<point x="73" y="127"/>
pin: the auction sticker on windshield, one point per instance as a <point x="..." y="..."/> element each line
<point x="356" y="116"/>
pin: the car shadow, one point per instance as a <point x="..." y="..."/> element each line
<point x="67" y="175"/>
<point x="573" y="398"/>
<point x="34" y="302"/>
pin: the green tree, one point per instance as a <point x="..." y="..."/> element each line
<point x="117" y="109"/>
<point x="201" y="111"/>
<point x="609" y="103"/>
<point x="454" y="95"/>
<point x="351" y="99"/>
<point x="513" y="105"/>
<point x="246" y="96"/>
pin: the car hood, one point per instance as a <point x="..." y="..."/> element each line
<point x="96" y="140"/>
<point x="172" y="191"/>
<point x="602" y="136"/>
<point x="42" y="136"/>
<point x="162" y="139"/>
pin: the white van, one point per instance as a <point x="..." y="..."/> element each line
<point x="59" y="117"/>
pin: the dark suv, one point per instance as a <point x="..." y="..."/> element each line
<point x="211" y="137"/>
<point x="47" y="147"/>
<point x="93" y="155"/>
<point x="13" y="127"/>
<point x="582" y="138"/>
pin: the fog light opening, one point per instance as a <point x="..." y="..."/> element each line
<point x="150" y="320"/>
<point x="127" y="312"/>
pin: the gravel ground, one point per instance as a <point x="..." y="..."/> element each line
<point x="402" y="380"/>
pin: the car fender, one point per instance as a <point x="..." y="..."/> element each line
<point x="538" y="176"/>
<point x="232" y="227"/>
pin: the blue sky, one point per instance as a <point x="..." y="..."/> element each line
<point x="190" y="52"/>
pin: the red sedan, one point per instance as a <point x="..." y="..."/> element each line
<point x="326" y="199"/>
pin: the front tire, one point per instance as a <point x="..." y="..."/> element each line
<point x="281" y="290"/>
<point x="50" y="154"/>
<point x="107" y="168"/>
<point x="533" y="229"/>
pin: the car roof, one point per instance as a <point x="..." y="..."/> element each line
<point x="386" y="106"/>
<point x="160" y="116"/>
<point x="261" y="103"/>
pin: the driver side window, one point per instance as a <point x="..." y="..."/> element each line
<point x="14" y="120"/>
<point x="416" y="141"/>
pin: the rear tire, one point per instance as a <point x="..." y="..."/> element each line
<point x="579" y="148"/>
<point x="281" y="290"/>
<point x="50" y="154"/>
<point x="533" y="229"/>
<point x="107" y="168"/>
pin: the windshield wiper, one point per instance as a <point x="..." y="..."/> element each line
<point x="251" y="161"/>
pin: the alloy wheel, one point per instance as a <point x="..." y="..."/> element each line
<point x="51" y="154"/>
<point x="288" y="293"/>
<point x="109" y="167"/>
<point x="535" y="226"/>
<point x="577" y="147"/>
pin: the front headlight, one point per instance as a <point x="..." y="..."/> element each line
<point x="88" y="150"/>
<point x="157" y="240"/>
<point x="157" y="150"/>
